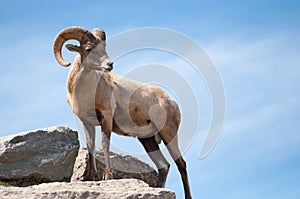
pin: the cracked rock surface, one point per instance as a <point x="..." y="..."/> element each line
<point x="123" y="188"/>
<point x="123" y="167"/>
<point x="42" y="155"/>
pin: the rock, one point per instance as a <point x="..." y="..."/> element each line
<point x="124" y="166"/>
<point x="43" y="155"/>
<point x="125" y="188"/>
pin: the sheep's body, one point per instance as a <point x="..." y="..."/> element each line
<point x="126" y="107"/>
<point x="130" y="102"/>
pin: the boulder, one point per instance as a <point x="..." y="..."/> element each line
<point x="125" y="188"/>
<point x="43" y="155"/>
<point x="124" y="166"/>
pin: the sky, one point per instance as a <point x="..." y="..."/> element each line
<point x="254" y="46"/>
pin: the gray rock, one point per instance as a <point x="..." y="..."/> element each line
<point x="43" y="155"/>
<point x="125" y="188"/>
<point x="124" y="167"/>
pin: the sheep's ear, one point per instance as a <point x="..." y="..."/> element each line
<point x="73" y="48"/>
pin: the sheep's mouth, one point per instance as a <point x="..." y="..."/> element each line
<point x="108" y="68"/>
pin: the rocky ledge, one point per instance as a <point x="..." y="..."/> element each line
<point x="123" y="188"/>
<point x="48" y="156"/>
<point x="42" y="155"/>
<point x="123" y="167"/>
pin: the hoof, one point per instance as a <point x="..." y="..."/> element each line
<point x="90" y="177"/>
<point x="107" y="174"/>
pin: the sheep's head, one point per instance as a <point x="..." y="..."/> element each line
<point x="92" y="47"/>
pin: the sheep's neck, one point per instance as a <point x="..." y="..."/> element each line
<point x="72" y="75"/>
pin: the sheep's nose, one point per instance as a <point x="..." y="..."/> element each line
<point x="110" y="65"/>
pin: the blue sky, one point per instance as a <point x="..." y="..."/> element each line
<point x="254" y="44"/>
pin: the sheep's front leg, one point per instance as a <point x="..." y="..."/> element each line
<point x="105" y="145"/>
<point x="90" y="141"/>
<point x="106" y="133"/>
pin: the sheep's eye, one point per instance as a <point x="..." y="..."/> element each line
<point x="88" y="50"/>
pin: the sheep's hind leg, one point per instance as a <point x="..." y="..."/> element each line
<point x="172" y="145"/>
<point x="90" y="141"/>
<point x="152" y="148"/>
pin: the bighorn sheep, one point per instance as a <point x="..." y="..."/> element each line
<point x="100" y="97"/>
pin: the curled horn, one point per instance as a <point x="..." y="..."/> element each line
<point x="77" y="33"/>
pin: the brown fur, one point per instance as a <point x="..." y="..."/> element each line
<point x="124" y="106"/>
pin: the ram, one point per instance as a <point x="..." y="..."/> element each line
<point x="100" y="97"/>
